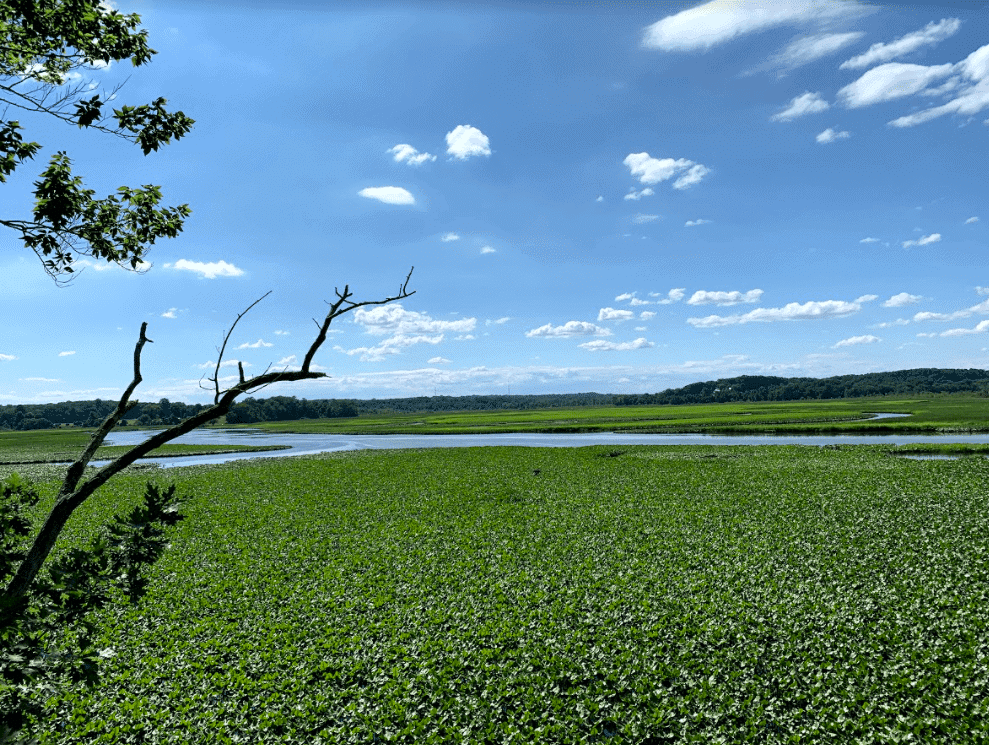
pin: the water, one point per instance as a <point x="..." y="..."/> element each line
<point x="308" y="444"/>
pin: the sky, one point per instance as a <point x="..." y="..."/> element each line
<point x="609" y="197"/>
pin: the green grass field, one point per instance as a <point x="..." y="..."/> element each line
<point x="580" y="595"/>
<point x="937" y="414"/>
<point x="65" y="445"/>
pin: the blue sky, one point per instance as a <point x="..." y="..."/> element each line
<point x="595" y="197"/>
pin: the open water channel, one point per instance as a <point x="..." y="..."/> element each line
<point x="308" y="444"/>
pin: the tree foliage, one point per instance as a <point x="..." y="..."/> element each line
<point x="47" y="48"/>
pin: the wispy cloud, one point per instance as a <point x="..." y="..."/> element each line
<point x="637" y="195"/>
<point x="692" y="223"/>
<point x="642" y="219"/>
<point x="388" y="194"/>
<point x="613" y="314"/>
<point x="802" y="105"/>
<point x="450" y="237"/>
<point x="802" y="51"/>
<point x="869" y="240"/>
<point x="790" y="312"/>
<point x="891" y="324"/>
<point x="702" y="27"/>
<point x="599" y="345"/>
<point x="408" y="154"/>
<point x="488" y="250"/>
<point x="866" y="298"/>
<point x="279" y="332"/>
<point x="256" y="345"/>
<point x="170" y="313"/>
<point x="66" y="354"/>
<point x="923" y="241"/>
<point x="969" y="88"/>
<point x="852" y="341"/>
<point x="901" y="299"/>
<point x="704" y="297"/>
<point x="931" y="34"/>
<point x="465" y="141"/>
<point x="891" y="81"/>
<point x="651" y="170"/>
<point x="437" y="361"/>
<point x="497" y="321"/>
<point x="673" y="296"/>
<point x="206" y="269"/>
<point x="394" y="319"/>
<point x="36" y="380"/>
<point x="7" y="357"/>
<point x="569" y="329"/>
<point x="830" y="135"/>
<point x="979" y="308"/>
<point x="971" y="220"/>
<point x="980" y="327"/>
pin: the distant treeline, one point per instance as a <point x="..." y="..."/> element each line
<point x="769" y="388"/>
<point x="287" y="408"/>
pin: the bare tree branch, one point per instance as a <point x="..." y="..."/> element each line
<point x="72" y="494"/>
<point x="219" y="359"/>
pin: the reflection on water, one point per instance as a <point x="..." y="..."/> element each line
<point x="307" y="444"/>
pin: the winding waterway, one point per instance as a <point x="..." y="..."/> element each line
<point x="309" y="444"/>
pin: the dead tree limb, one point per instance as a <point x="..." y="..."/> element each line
<point x="71" y="495"/>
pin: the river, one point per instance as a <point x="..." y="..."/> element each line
<point x="309" y="444"/>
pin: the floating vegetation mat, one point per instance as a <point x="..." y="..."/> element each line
<point x="588" y="595"/>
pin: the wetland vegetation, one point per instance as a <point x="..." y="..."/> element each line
<point x="641" y="595"/>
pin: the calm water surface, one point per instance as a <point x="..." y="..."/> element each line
<point x="307" y="444"/>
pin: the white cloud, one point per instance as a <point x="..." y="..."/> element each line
<point x="866" y="298"/>
<point x="703" y="297"/>
<point x="923" y="241"/>
<point x="891" y="81"/>
<point x="891" y="324"/>
<point x="599" y="199"/>
<point x="611" y="314"/>
<point x="624" y="296"/>
<point x="66" y="354"/>
<point x="805" y="103"/>
<point x="809" y="48"/>
<point x="227" y="363"/>
<point x="927" y="335"/>
<point x="655" y="170"/>
<point x="437" y="361"/>
<point x="980" y="308"/>
<point x="465" y="141"/>
<point x="488" y="250"/>
<point x="647" y="314"/>
<point x="981" y="290"/>
<point x="789" y="312"/>
<point x="970" y="87"/>
<point x="637" y="195"/>
<point x="206" y="270"/>
<point x="286" y="361"/>
<point x="829" y="135"/>
<point x="869" y="240"/>
<point x="394" y="319"/>
<point x="570" y="328"/>
<point x="641" y="219"/>
<point x="931" y="34"/>
<point x="170" y="313"/>
<point x="464" y="337"/>
<point x="673" y="296"/>
<point x="901" y="299"/>
<point x="498" y="321"/>
<point x="279" y="332"/>
<point x="450" y="237"/>
<point x="7" y="357"/>
<point x="36" y="380"/>
<point x="979" y="328"/>
<point x="971" y="220"/>
<point x="388" y="194"/>
<point x="705" y="26"/>
<point x="256" y="345"/>
<point x="867" y="339"/>
<point x="599" y="345"/>
<point x="692" y="223"/>
<point x="408" y="154"/>
<point x="635" y="301"/>
<point x="391" y="346"/>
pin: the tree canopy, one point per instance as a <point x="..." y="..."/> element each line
<point x="46" y="47"/>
